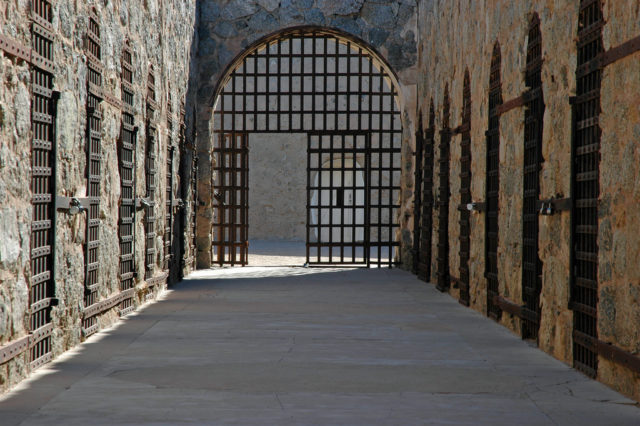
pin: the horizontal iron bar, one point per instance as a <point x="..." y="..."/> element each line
<point x="608" y="351"/>
<point x="14" y="348"/>
<point x="510" y="104"/>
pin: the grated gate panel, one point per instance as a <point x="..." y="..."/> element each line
<point x="126" y="160"/>
<point x="94" y="172"/>
<point x="168" y="211"/>
<point x="493" y="185"/>
<point x="150" y="176"/>
<point x="465" y="191"/>
<point x="310" y="80"/>
<point x="338" y="198"/>
<point x="417" y="192"/>
<point x="231" y="189"/>
<point x="194" y="206"/>
<point x="426" y="210"/>
<point x="585" y="167"/>
<point x="533" y="116"/>
<point x="444" y="278"/>
<point x="43" y="167"/>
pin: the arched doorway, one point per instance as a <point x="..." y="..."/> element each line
<point x="343" y="96"/>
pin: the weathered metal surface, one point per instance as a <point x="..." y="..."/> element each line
<point x="585" y="187"/>
<point x="93" y="50"/>
<point x="231" y="211"/>
<point x="444" y="193"/>
<point x="426" y="208"/>
<point x="533" y="126"/>
<point x="338" y="183"/>
<point x="493" y="184"/>
<point x="43" y="154"/>
<point x="465" y="191"/>
<point x="127" y="167"/>
<point x="150" y="176"/>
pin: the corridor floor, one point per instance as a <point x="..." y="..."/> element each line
<point x="295" y="346"/>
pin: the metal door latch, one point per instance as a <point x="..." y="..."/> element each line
<point x="72" y="205"/>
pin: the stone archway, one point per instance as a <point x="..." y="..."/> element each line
<point x="225" y="30"/>
<point x="340" y="92"/>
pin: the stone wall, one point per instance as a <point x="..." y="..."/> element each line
<point x="160" y="33"/>
<point x="227" y="27"/>
<point x="455" y="35"/>
<point x="277" y="186"/>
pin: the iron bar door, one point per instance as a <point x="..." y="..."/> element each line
<point x="465" y="192"/>
<point x="338" y="199"/>
<point x="585" y="189"/>
<point x="43" y="176"/>
<point x="231" y="199"/>
<point x="444" y="278"/>
<point x="426" y="215"/>
<point x="493" y="185"/>
<point x="533" y="116"/>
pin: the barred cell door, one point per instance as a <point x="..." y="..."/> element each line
<point x="338" y="199"/>
<point x="231" y="199"/>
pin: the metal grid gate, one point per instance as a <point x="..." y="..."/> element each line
<point x="126" y="160"/>
<point x="417" y="192"/>
<point x="493" y="185"/>
<point x="41" y="288"/>
<point x="533" y="116"/>
<point x="168" y="210"/>
<point x="444" y="278"/>
<point x="150" y="177"/>
<point x="585" y="155"/>
<point x="465" y="191"/>
<point x="94" y="172"/>
<point x="231" y="190"/>
<point x="426" y="209"/>
<point x="194" y="207"/>
<point x="338" y="198"/>
<point x="310" y="80"/>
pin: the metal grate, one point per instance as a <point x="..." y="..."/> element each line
<point x="417" y="192"/>
<point x="444" y="279"/>
<point x="493" y="185"/>
<point x="309" y="80"/>
<point x="194" y="207"/>
<point x="585" y="155"/>
<point x="41" y="288"/>
<point x="168" y="211"/>
<point x="94" y="164"/>
<point x="465" y="190"/>
<point x="338" y="198"/>
<point x="150" y="176"/>
<point x="426" y="209"/>
<point x="126" y="161"/>
<point x="231" y="189"/>
<point x="182" y="234"/>
<point x="533" y="116"/>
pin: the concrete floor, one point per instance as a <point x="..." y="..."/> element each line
<point x="295" y="346"/>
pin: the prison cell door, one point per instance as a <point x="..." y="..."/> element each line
<point x="231" y="199"/>
<point x="337" y="199"/>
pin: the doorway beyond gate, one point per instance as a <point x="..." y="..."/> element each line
<point x="343" y="96"/>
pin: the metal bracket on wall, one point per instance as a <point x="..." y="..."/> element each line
<point x="553" y="205"/>
<point x="141" y="203"/>
<point x="474" y="207"/>
<point x="73" y="205"/>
